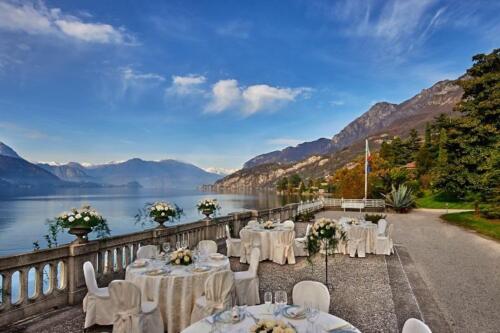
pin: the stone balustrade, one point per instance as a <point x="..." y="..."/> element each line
<point x="35" y="282"/>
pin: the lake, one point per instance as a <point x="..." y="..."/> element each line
<point x="23" y="218"/>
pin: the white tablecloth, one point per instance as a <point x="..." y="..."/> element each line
<point x="370" y="232"/>
<point x="265" y="240"/>
<point x="324" y="322"/>
<point x="178" y="289"/>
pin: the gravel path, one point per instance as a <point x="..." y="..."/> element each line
<point x="460" y="268"/>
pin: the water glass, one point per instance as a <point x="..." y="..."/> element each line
<point x="177" y="245"/>
<point x="184" y="244"/>
<point x="268" y="300"/>
<point x="166" y="247"/>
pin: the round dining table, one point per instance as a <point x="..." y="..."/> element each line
<point x="370" y="230"/>
<point x="176" y="288"/>
<point x="264" y="238"/>
<point x="324" y="322"/>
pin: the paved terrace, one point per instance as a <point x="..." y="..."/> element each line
<point x="442" y="274"/>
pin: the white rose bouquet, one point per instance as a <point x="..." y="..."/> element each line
<point x="159" y="212"/>
<point x="181" y="257"/>
<point x="271" y="326"/>
<point x="268" y="225"/>
<point x="208" y="206"/>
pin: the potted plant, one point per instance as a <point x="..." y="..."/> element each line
<point x="401" y="199"/>
<point x="325" y="234"/>
<point x="80" y="222"/>
<point x="208" y="207"/>
<point x="161" y="212"/>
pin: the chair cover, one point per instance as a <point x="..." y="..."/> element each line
<point x="382" y="224"/>
<point x="384" y="243"/>
<point x="219" y="289"/>
<point x="233" y="245"/>
<point x="413" y="325"/>
<point x="356" y="241"/>
<point x="147" y="252"/>
<point x="97" y="303"/>
<point x="283" y="242"/>
<point x="289" y="224"/>
<point x="311" y="292"/>
<point x="131" y="315"/>
<point x="300" y="244"/>
<point x="246" y="245"/>
<point x="207" y="246"/>
<point x="247" y="282"/>
<point x="252" y="223"/>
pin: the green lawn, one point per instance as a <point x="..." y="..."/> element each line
<point x="439" y="200"/>
<point x="468" y="220"/>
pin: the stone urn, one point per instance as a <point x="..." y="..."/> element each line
<point x="80" y="233"/>
<point x="160" y="221"/>
<point x="207" y="213"/>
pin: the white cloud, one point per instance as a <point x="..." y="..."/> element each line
<point x="137" y="82"/>
<point x="236" y="29"/>
<point x="185" y="85"/>
<point x="227" y="94"/>
<point x="284" y="142"/>
<point x="37" y="19"/>
<point x="129" y="74"/>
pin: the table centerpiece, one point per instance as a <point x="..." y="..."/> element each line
<point x="80" y="222"/>
<point x="208" y="207"/>
<point x="181" y="257"/>
<point x="271" y="326"/>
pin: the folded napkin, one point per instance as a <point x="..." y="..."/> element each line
<point x="297" y="312"/>
<point x="338" y="327"/>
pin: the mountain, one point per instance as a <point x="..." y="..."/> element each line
<point x="21" y="173"/>
<point x="220" y="171"/>
<point x="395" y="119"/>
<point x="382" y="121"/>
<point x="71" y="172"/>
<point x="7" y="151"/>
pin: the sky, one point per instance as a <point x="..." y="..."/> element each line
<point x="216" y="83"/>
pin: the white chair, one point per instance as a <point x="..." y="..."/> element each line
<point x="384" y="243"/>
<point x="246" y="245"/>
<point x="247" y="282"/>
<point x="413" y="325"/>
<point x="289" y="224"/>
<point x="381" y="226"/>
<point x="252" y="223"/>
<point x="283" y="242"/>
<point x="147" y="252"/>
<point x="97" y="303"/>
<point x="207" y="246"/>
<point x="313" y="293"/>
<point x="233" y="245"/>
<point x="356" y="242"/>
<point x="219" y="289"/>
<point x="300" y="244"/>
<point x="131" y="314"/>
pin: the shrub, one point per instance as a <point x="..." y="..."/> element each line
<point x="401" y="199"/>
<point x="374" y="218"/>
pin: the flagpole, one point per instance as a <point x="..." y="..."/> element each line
<point x="366" y="167"/>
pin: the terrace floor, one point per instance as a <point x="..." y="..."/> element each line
<point x="440" y="273"/>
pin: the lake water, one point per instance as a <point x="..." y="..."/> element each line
<point x="23" y="218"/>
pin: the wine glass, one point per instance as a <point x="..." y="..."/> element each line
<point x="312" y="313"/>
<point x="177" y="245"/>
<point x="166" y="247"/>
<point x="184" y="244"/>
<point x="268" y="300"/>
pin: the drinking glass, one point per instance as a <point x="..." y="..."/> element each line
<point x="312" y="313"/>
<point x="268" y="300"/>
<point x="177" y="245"/>
<point x="184" y="244"/>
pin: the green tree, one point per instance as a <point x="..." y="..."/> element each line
<point x="386" y="152"/>
<point x="294" y="181"/>
<point x="413" y="144"/>
<point x="282" y="184"/>
<point x="473" y="139"/>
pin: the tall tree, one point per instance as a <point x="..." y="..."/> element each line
<point x="413" y="144"/>
<point x="473" y="139"/>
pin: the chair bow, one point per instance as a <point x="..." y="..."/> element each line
<point x="124" y="320"/>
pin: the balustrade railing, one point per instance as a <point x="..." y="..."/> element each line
<point x="35" y="282"/>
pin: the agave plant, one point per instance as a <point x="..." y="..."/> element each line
<point x="400" y="199"/>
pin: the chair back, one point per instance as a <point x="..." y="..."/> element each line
<point x="284" y="238"/>
<point x="147" y="252"/>
<point x="390" y="230"/>
<point x="207" y="246"/>
<point x="89" y="274"/>
<point x="413" y="325"/>
<point x="308" y="229"/>
<point x="246" y="237"/>
<point x="289" y="224"/>
<point x="252" y="223"/>
<point x="356" y="233"/>
<point x="313" y="293"/>
<point x="254" y="261"/>
<point x="382" y="225"/>
<point x="228" y="232"/>
<point x="125" y="296"/>
<point x="218" y="288"/>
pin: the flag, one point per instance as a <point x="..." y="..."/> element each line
<point x="368" y="159"/>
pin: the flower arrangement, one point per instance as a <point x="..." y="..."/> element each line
<point x="325" y="233"/>
<point x="271" y="326"/>
<point x="181" y="257"/>
<point x="159" y="212"/>
<point x="80" y="222"/>
<point x="208" y="206"/>
<point x="353" y="221"/>
<point x="268" y="225"/>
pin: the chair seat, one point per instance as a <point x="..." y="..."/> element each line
<point x="148" y="307"/>
<point x="244" y="275"/>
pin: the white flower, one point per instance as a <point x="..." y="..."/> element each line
<point x="86" y="218"/>
<point x="78" y="216"/>
<point x="158" y="207"/>
<point x="162" y="214"/>
<point x="71" y="219"/>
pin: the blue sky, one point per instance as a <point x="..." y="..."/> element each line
<point x="217" y="82"/>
